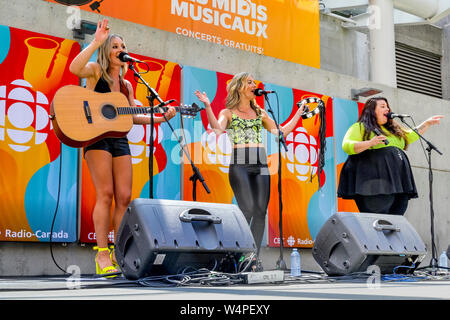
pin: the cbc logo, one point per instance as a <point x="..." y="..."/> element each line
<point x="302" y="154"/>
<point x="218" y="149"/>
<point x="24" y="120"/>
<point x="136" y="136"/>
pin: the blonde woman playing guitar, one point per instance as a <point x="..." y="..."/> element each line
<point x="109" y="159"/>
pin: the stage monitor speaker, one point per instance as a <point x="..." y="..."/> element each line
<point x="168" y="237"/>
<point x="351" y="242"/>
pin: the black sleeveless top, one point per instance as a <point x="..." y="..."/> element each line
<point x="102" y="86"/>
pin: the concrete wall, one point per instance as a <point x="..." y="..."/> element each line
<point x="445" y="24"/>
<point x="345" y="51"/>
<point x="342" y="70"/>
<point x="342" y="50"/>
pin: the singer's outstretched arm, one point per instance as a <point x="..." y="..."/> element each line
<point x="270" y="125"/>
<point x="218" y="125"/>
<point x="421" y="128"/>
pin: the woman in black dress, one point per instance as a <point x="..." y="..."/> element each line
<point x="377" y="173"/>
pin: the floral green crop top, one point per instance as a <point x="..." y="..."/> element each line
<point x="242" y="131"/>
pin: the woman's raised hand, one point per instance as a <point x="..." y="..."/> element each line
<point x="203" y="98"/>
<point x="434" y="120"/>
<point x="102" y="32"/>
<point x="301" y="108"/>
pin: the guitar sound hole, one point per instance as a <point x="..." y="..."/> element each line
<point x="109" y="111"/>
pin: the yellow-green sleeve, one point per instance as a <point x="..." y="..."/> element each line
<point x="353" y="135"/>
<point x="411" y="136"/>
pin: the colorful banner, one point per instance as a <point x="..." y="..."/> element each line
<point x="305" y="207"/>
<point x="164" y="77"/>
<point x="38" y="179"/>
<point x="210" y="152"/>
<point x="280" y="29"/>
<point x="346" y="113"/>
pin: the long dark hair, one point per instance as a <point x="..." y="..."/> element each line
<point x="369" y="120"/>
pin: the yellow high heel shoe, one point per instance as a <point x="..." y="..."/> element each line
<point x="113" y="257"/>
<point x="106" y="270"/>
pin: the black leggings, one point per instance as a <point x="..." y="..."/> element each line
<point x="251" y="187"/>
<point x="383" y="203"/>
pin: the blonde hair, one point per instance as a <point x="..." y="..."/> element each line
<point x="234" y="88"/>
<point x="103" y="59"/>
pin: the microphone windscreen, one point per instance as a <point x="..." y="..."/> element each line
<point x="123" y="56"/>
<point x="258" y="92"/>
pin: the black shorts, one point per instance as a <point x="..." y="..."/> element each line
<point x="116" y="146"/>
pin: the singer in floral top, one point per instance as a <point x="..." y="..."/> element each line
<point x="377" y="174"/>
<point x="244" y="121"/>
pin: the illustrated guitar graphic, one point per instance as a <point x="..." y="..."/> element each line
<point x="81" y="116"/>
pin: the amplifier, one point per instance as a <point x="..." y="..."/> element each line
<point x="351" y="242"/>
<point x="166" y="237"/>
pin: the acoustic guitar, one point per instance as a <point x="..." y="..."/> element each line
<point x="81" y="116"/>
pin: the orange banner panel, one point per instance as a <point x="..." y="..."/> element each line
<point x="284" y="29"/>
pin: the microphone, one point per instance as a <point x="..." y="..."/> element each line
<point x="259" y="92"/>
<point x="124" y="57"/>
<point x="378" y="133"/>
<point x="392" y="115"/>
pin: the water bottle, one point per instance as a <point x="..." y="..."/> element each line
<point x="296" y="269"/>
<point x="443" y="261"/>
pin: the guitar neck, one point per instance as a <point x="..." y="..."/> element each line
<point x="141" y="110"/>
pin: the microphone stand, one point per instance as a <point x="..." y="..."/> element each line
<point x="153" y="95"/>
<point x="281" y="264"/>
<point x="196" y="172"/>
<point x="197" y="175"/>
<point x="430" y="147"/>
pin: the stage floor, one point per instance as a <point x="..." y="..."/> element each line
<point x="220" y="287"/>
